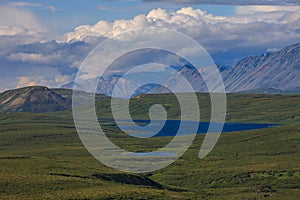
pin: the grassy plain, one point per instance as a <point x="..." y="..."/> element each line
<point x="41" y="156"/>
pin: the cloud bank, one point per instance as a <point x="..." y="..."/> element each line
<point x="251" y="30"/>
<point x="19" y="26"/>
<point x="230" y="2"/>
<point x="251" y="26"/>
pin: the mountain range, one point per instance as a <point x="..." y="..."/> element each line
<point x="276" y="72"/>
<point x="273" y="73"/>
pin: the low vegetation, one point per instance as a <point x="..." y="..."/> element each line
<point x="41" y="156"/>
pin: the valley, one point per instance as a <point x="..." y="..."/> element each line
<point x="42" y="157"/>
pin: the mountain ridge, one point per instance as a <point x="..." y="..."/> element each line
<point x="277" y="70"/>
<point x="39" y="99"/>
<point x="272" y="71"/>
<point x="269" y="73"/>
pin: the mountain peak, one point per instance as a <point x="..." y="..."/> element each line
<point x="278" y="70"/>
<point x="32" y="99"/>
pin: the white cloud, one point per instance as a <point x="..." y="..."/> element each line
<point x="272" y="50"/>
<point x="231" y="2"/>
<point x="257" y="27"/>
<point x="34" y="58"/>
<point x="251" y="26"/>
<point x="24" y="4"/>
<point x="24" y="81"/>
<point x="61" y="79"/>
<point x="151" y="68"/>
<point x="12" y="30"/>
<point x="19" y="26"/>
<point x="51" y="8"/>
<point x="30" y="4"/>
<point x="12" y="16"/>
<point x="34" y="80"/>
<point x="246" y="10"/>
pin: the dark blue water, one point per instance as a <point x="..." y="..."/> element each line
<point x="171" y="127"/>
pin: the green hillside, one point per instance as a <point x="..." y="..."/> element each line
<point x="41" y="156"/>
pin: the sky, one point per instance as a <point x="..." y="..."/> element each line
<point x="43" y="42"/>
<point x="62" y="16"/>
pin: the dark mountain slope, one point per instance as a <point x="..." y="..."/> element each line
<point x="278" y="70"/>
<point x="37" y="99"/>
<point x="40" y="99"/>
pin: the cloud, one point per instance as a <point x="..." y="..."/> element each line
<point x="34" y="80"/>
<point x="24" y="4"/>
<point x="12" y="30"/>
<point x="51" y="8"/>
<point x="42" y="63"/>
<point x="23" y="74"/>
<point x="18" y="26"/>
<point x="11" y="16"/>
<point x="53" y="64"/>
<point x="109" y="8"/>
<point x="231" y="2"/>
<point x="30" y="4"/>
<point x="250" y="27"/>
<point x="34" y="58"/>
<point x="61" y="79"/>
<point x="46" y="64"/>
<point x="272" y="50"/>
<point x="250" y="10"/>
<point x="65" y="58"/>
<point x="24" y="81"/>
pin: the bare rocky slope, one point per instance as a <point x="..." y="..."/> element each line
<point x="32" y="99"/>
<point x="279" y="70"/>
<point x="38" y="99"/>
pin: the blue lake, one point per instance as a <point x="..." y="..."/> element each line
<point x="170" y="128"/>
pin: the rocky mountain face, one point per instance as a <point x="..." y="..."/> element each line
<point x="32" y="99"/>
<point x="195" y="79"/>
<point x="39" y="99"/>
<point x="71" y="85"/>
<point x="106" y="85"/>
<point x="279" y="70"/>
